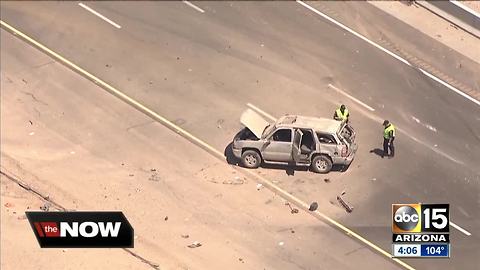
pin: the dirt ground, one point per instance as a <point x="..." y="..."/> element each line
<point x="475" y="5"/>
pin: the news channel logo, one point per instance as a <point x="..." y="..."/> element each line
<point x="419" y="218"/>
<point x="420" y="230"/>
<point x="81" y="229"/>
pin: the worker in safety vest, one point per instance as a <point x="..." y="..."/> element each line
<point x="388" y="137"/>
<point x="341" y="114"/>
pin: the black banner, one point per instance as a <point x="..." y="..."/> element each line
<point x="81" y="229"/>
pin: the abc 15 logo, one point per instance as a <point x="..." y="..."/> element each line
<point x="417" y="218"/>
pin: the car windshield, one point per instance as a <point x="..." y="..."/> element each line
<point x="268" y="129"/>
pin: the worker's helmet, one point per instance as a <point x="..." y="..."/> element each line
<point x="342" y="107"/>
<point x="386" y="122"/>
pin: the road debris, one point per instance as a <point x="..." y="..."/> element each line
<point x="326" y="180"/>
<point x="236" y="181"/>
<point x="45" y="207"/>
<point x="374" y="179"/>
<point x="345" y="205"/>
<point x="281" y="243"/>
<point x="154" y="177"/>
<point x="195" y="244"/>
<point x="241" y="260"/>
<point x="8" y="205"/>
<point x="185" y="236"/>
<point x="166" y="218"/>
<point x="259" y="186"/>
<point x="293" y="210"/>
<point x="313" y="206"/>
<point x="31" y="133"/>
<point x="219" y="123"/>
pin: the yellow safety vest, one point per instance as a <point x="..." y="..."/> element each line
<point x="386" y="131"/>
<point x="343" y="115"/>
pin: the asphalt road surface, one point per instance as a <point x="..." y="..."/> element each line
<point x="199" y="70"/>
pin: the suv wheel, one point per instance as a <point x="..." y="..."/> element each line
<point x="321" y="164"/>
<point x="251" y="159"/>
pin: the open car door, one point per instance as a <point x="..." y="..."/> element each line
<point x="297" y="140"/>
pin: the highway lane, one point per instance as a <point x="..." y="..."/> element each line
<point x="244" y="33"/>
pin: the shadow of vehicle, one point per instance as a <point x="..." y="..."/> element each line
<point x="377" y="151"/>
<point x="290" y="168"/>
<point x="229" y="156"/>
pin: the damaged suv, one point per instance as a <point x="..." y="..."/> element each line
<point x="294" y="140"/>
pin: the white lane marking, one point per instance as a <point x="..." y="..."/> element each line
<point x="351" y="97"/>
<point x="269" y="116"/>
<point x="462" y="6"/>
<point x="432" y="128"/>
<point x="193" y="6"/>
<point x="388" y="52"/>
<point x="219" y="154"/>
<point x="460" y="229"/>
<point x="99" y="15"/>
<point x="450" y="87"/>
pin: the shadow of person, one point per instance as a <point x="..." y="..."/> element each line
<point x="229" y="156"/>
<point x="377" y="151"/>
<point x="289" y="168"/>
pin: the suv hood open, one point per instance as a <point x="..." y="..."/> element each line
<point x="254" y="122"/>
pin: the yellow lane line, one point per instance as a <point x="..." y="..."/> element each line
<point x="284" y="194"/>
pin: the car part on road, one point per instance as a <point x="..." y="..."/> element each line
<point x="195" y="244"/>
<point x="313" y="206"/>
<point x="345" y="205"/>
<point x="293" y="210"/>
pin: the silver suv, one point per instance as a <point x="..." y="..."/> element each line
<point x="294" y="140"/>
